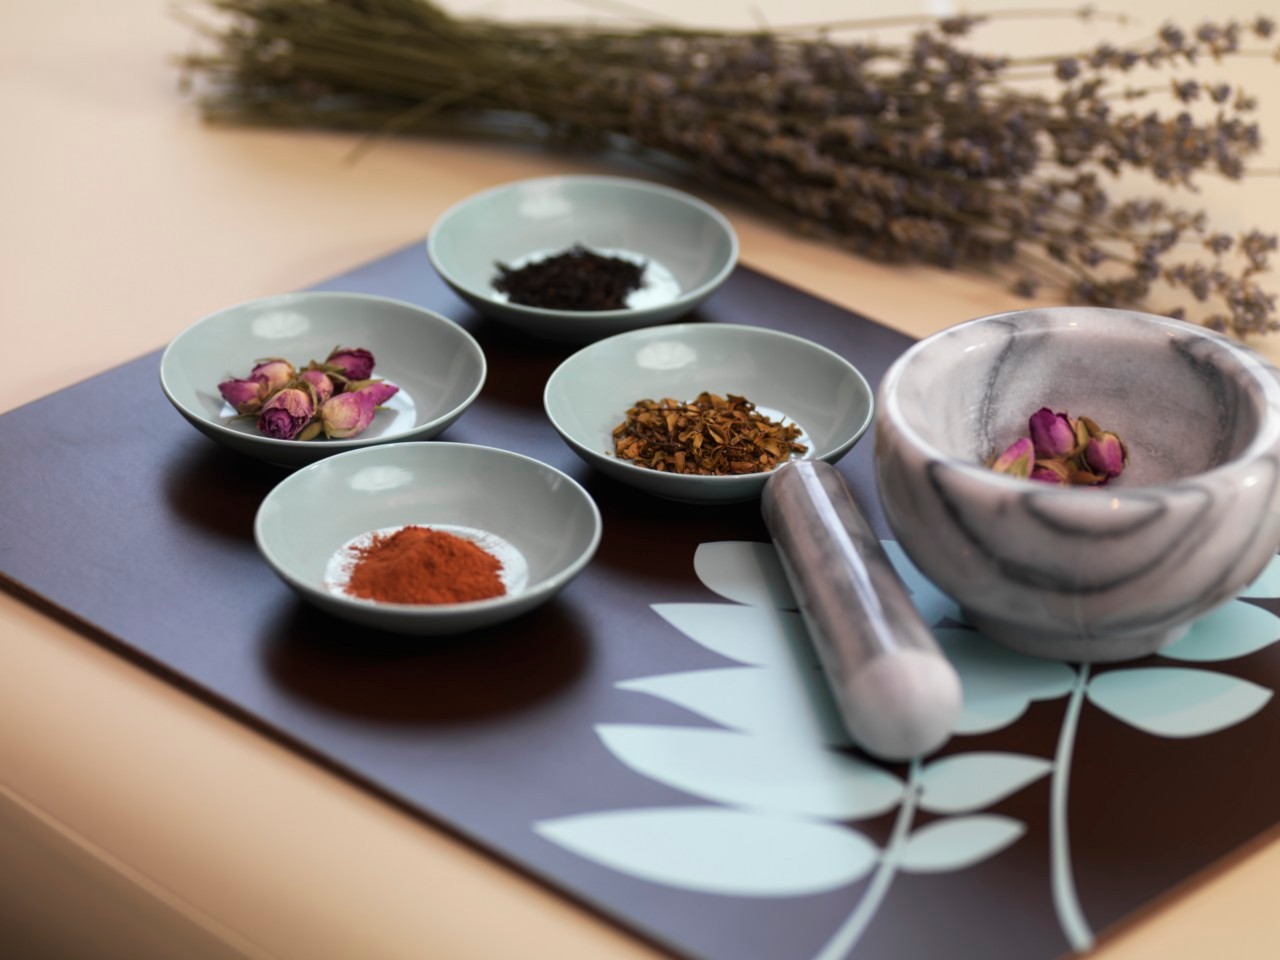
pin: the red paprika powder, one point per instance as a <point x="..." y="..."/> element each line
<point x="421" y="565"/>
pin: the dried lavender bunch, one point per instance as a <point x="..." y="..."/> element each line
<point x="923" y="151"/>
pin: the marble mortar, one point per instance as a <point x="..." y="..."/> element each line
<point x="1083" y="574"/>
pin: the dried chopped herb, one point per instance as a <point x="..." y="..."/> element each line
<point x="576" y="279"/>
<point x="711" y="436"/>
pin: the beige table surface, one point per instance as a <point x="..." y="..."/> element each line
<point x="136" y="822"/>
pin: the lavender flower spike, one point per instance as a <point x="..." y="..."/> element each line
<point x="245" y="395"/>
<point x="1053" y="434"/>
<point x="285" y="414"/>
<point x="1016" y="459"/>
<point x="1106" y="455"/>
<point x="346" y="414"/>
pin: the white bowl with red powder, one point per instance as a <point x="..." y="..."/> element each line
<point x="428" y="538"/>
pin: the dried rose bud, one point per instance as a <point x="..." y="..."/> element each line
<point x="285" y="415"/>
<point x="273" y="372"/>
<point x="1055" y="472"/>
<point x="354" y="363"/>
<point x="346" y="414"/>
<point x="322" y="385"/>
<point x="380" y="391"/>
<point x="1016" y="459"/>
<point x="245" y="395"/>
<point x="1053" y="434"/>
<point x="1106" y="455"/>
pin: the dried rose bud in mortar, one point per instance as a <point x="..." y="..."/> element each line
<point x="1063" y="452"/>
<point x="1016" y="459"/>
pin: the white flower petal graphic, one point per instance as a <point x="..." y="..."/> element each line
<point x="761" y="636"/>
<point x="999" y="684"/>
<point x="744" y="572"/>
<point x="959" y="842"/>
<point x="1236" y="629"/>
<point x="971" y="781"/>
<point x="781" y="776"/>
<point x="779" y="703"/>
<point x="1175" y="701"/>
<point x="714" y="850"/>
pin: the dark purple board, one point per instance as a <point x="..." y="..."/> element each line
<point x="139" y="530"/>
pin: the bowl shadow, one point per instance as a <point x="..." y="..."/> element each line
<point x="427" y="681"/>
<point x="218" y="489"/>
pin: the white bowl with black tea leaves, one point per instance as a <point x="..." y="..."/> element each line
<point x="685" y="247"/>
<point x="437" y="367"/>
<point x="1085" y="573"/>
<point x="790" y="381"/>
<point x="539" y="524"/>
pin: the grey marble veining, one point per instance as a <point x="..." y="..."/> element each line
<point x="1104" y="573"/>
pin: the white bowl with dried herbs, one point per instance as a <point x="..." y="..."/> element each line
<point x="292" y="379"/>
<point x="703" y="412"/>
<point x="577" y="258"/>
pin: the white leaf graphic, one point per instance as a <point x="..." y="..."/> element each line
<point x="959" y="842"/>
<point x="1175" y="701"/>
<point x="971" y="781"/>
<point x="780" y="776"/>
<point x="714" y="850"/>
<point x="1234" y="630"/>
<point x="999" y="684"/>
<point x="744" y="572"/>
<point x="756" y="635"/>
<point x="934" y="605"/>
<point x="1267" y="583"/>
<point x="783" y="703"/>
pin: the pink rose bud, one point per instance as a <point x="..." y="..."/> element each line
<point x="380" y="391"/>
<point x="1053" y="434"/>
<point x="346" y="414"/>
<point x="1016" y="459"/>
<point x="1105" y="455"/>
<point x="284" y="415"/>
<point x="275" y="373"/>
<point x="1055" y="472"/>
<point x="321" y="383"/>
<point x="355" y="363"/>
<point x="245" y="395"/>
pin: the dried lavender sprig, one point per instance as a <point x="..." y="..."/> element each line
<point x="916" y="151"/>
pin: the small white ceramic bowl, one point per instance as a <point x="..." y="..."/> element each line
<point x="785" y="376"/>
<point x="1088" y="574"/>
<point x="689" y="247"/>
<point x="539" y="522"/>
<point x="437" y="365"/>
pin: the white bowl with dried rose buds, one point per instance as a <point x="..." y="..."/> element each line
<point x="1085" y="482"/>
<point x="292" y="379"/>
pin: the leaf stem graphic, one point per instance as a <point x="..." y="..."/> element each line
<point x="1074" y="925"/>
<point x="851" y="930"/>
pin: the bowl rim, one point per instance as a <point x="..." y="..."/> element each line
<point x="353" y="443"/>
<point x="535" y="592"/>
<point x="687" y="479"/>
<point x="1257" y="367"/>
<point x="687" y="298"/>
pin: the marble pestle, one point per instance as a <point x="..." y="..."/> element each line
<point x="896" y="692"/>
